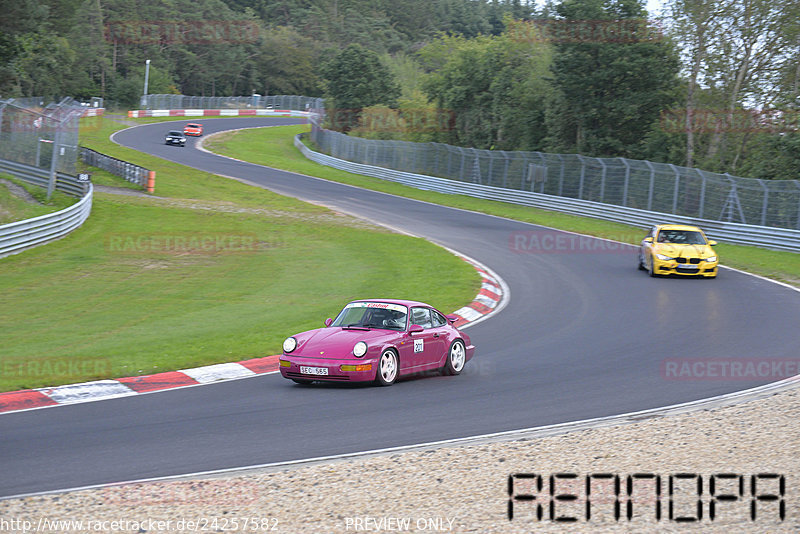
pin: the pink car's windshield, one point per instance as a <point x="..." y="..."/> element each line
<point x="373" y="315"/>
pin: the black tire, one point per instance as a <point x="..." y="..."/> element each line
<point x="641" y="263"/>
<point x="301" y="381"/>
<point x="456" y="358"/>
<point x="388" y="368"/>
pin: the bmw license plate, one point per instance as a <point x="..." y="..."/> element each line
<point x="688" y="267"/>
<point x="314" y="370"/>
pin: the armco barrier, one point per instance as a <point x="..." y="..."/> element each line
<point x="777" y="238"/>
<point x="18" y="236"/>
<point x="130" y="172"/>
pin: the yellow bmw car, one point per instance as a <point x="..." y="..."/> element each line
<point x="678" y="249"/>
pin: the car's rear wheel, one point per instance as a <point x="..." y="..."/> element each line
<point x="387" y="368"/>
<point x="456" y="358"/>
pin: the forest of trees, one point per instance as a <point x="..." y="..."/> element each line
<point x="713" y="84"/>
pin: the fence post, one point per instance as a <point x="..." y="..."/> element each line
<point x="51" y="183"/>
<point x="703" y="181"/>
<point x="627" y="181"/>
<point x="602" y="180"/>
<point x="505" y="168"/>
<point x="583" y="174"/>
<point x="764" y="204"/>
<point x="561" y="176"/>
<point x="675" y="192"/>
<point x="652" y="185"/>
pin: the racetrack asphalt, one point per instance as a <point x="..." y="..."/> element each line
<point x="584" y="335"/>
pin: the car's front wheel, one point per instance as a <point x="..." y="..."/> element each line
<point x="641" y="262"/>
<point x="387" y="368"/>
<point x="456" y="358"/>
<point x="301" y="381"/>
<point x="651" y="270"/>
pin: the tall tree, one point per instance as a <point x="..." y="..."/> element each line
<point x="613" y="75"/>
<point x="355" y="78"/>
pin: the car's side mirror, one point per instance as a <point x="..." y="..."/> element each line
<point x="452" y="318"/>
<point x="328" y="321"/>
<point x="648" y="239"/>
<point x="712" y="242"/>
<point x="415" y="328"/>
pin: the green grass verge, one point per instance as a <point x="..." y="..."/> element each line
<point x="219" y="271"/>
<point x="274" y="147"/>
<point x="13" y="208"/>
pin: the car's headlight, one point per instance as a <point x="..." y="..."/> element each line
<point x="663" y="257"/>
<point x="290" y="344"/>
<point x="711" y="259"/>
<point x="360" y="349"/>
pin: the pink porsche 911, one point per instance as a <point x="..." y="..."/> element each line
<point x="377" y="341"/>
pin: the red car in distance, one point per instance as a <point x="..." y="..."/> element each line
<point x="193" y="128"/>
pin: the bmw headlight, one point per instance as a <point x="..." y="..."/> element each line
<point x="290" y="344"/>
<point x="360" y="349"/>
<point x="711" y="259"/>
<point x="663" y="257"/>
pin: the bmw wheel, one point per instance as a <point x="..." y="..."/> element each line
<point x="456" y="358"/>
<point x="641" y="262"/>
<point x="387" y="368"/>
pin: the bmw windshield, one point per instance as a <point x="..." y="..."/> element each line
<point x="681" y="237"/>
<point x="372" y="315"/>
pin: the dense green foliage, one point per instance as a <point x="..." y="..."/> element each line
<point x="356" y="79"/>
<point x="84" y="48"/>
<point x="713" y="84"/>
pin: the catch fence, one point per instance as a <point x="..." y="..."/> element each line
<point x="637" y="184"/>
<point x="299" y="103"/>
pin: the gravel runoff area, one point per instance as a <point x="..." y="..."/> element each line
<point x="466" y="488"/>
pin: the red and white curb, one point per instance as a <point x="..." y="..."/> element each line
<point x="491" y="299"/>
<point x="139" y="113"/>
<point x="492" y="295"/>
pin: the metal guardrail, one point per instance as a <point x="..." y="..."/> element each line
<point x="64" y="182"/>
<point x="123" y="169"/>
<point x="764" y="236"/>
<point x="18" y="236"/>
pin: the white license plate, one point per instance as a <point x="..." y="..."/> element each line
<point x="313" y="370"/>
<point x="687" y="266"/>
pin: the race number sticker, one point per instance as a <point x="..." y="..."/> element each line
<point x="418" y="345"/>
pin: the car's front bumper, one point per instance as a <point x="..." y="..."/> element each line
<point x="290" y="367"/>
<point x="668" y="267"/>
